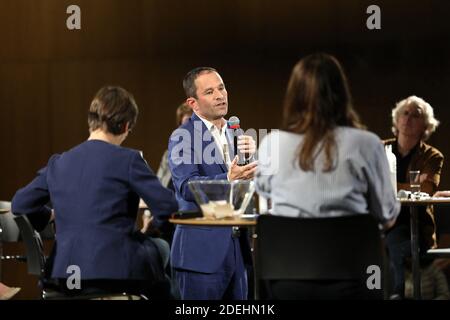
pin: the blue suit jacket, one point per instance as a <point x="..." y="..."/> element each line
<point x="200" y="249"/>
<point x="95" y="189"/>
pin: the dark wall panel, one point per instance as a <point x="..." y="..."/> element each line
<point x="49" y="74"/>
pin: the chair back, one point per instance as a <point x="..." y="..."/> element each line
<point x="442" y="221"/>
<point x="9" y="230"/>
<point x="33" y="246"/>
<point x="36" y="264"/>
<point x="336" y="248"/>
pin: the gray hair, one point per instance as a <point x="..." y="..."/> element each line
<point x="431" y="123"/>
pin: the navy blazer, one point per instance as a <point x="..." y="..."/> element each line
<point x="200" y="249"/>
<point x="95" y="189"/>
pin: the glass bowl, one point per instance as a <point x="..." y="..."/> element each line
<point x="222" y="199"/>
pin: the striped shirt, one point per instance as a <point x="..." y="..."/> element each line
<point x="359" y="183"/>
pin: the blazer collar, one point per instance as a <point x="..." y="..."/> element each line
<point x="201" y="130"/>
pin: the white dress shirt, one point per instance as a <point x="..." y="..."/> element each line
<point x="220" y="138"/>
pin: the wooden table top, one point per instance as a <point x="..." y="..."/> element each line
<point x="215" y="222"/>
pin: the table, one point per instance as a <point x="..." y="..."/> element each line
<point x="227" y="222"/>
<point x="414" y="216"/>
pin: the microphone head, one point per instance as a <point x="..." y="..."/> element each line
<point x="233" y="122"/>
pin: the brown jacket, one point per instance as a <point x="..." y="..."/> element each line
<point x="429" y="161"/>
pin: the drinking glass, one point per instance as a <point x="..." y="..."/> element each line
<point x="414" y="183"/>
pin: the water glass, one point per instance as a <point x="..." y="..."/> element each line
<point x="414" y="184"/>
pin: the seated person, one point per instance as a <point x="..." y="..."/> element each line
<point x="323" y="164"/>
<point x="433" y="282"/>
<point x="95" y="189"/>
<point x="413" y="122"/>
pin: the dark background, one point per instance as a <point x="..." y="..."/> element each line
<point x="48" y="74"/>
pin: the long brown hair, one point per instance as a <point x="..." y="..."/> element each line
<point x="318" y="100"/>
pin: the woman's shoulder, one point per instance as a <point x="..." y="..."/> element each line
<point x="346" y="135"/>
<point x="284" y="135"/>
<point x="281" y="138"/>
<point x="359" y="136"/>
<point x="278" y="141"/>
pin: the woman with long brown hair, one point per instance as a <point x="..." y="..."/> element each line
<point x="322" y="163"/>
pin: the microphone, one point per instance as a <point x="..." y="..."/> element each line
<point x="234" y="124"/>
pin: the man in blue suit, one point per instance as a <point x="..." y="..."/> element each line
<point x="95" y="189"/>
<point x="208" y="262"/>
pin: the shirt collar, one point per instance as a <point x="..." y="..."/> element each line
<point x="416" y="148"/>
<point x="211" y="125"/>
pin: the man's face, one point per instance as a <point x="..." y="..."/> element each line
<point x="411" y="122"/>
<point x="212" y="100"/>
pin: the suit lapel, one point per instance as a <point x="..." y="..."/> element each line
<point x="201" y="131"/>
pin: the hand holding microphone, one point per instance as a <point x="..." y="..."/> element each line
<point x="244" y="146"/>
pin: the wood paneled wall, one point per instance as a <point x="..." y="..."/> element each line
<point x="49" y="74"/>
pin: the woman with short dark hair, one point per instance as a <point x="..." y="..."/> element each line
<point x="95" y="189"/>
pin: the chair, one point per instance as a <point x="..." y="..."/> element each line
<point x="442" y="222"/>
<point x="315" y="252"/>
<point x="9" y="232"/>
<point x="36" y="265"/>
